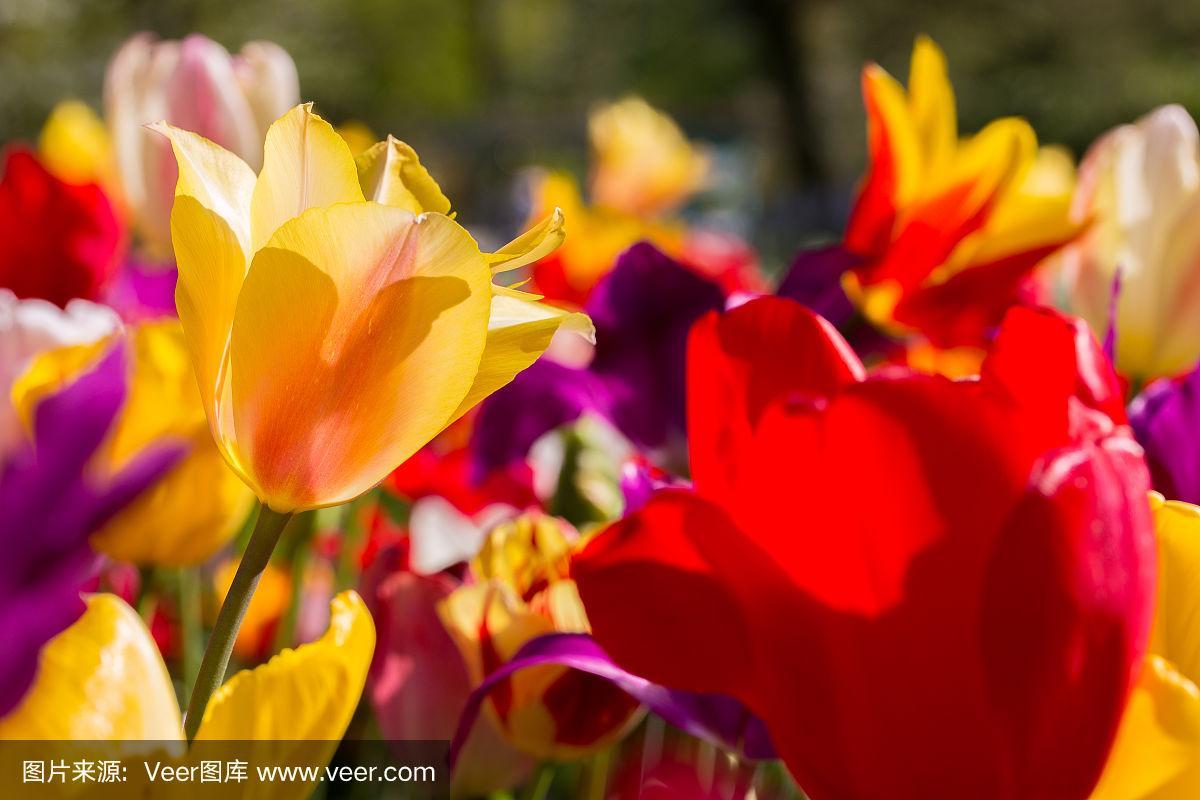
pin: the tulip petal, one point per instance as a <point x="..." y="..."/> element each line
<point x="100" y="679"/>
<point x="536" y="243"/>
<point x="894" y="151"/>
<point x="210" y="231"/>
<point x="358" y="333"/>
<point x="391" y="173"/>
<point x="733" y="377"/>
<point x="931" y="102"/>
<point x="1175" y="635"/>
<point x="519" y="331"/>
<point x="305" y="165"/>
<point x="1158" y="741"/>
<point x="306" y="694"/>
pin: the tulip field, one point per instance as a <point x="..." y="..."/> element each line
<point x="312" y="484"/>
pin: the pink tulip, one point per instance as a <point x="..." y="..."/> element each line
<point x="197" y="85"/>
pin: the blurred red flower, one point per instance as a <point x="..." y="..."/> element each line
<point x="61" y="240"/>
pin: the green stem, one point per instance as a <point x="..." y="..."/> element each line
<point x="189" y="623"/>
<point x="216" y="656"/>
<point x="541" y="786"/>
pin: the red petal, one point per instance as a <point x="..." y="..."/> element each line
<point x="741" y="361"/>
<point x="61" y="241"/>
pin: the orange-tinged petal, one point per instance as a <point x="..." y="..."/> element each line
<point x="100" y="679"/>
<point x="391" y="173"/>
<point x="895" y="172"/>
<point x="297" y="706"/>
<point x="519" y="331"/>
<point x="1157" y="752"/>
<point x="538" y="242"/>
<point x="305" y="165"/>
<point x="358" y="333"/>
<point x="931" y="103"/>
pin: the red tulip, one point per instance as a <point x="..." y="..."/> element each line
<point x="926" y="588"/>
<point x="61" y="240"/>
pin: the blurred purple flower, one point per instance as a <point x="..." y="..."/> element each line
<point x="141" y="291"/>
<point x="643" y="310"/>
<point x="1165" y="419"/>
<point x="49" y="506"/>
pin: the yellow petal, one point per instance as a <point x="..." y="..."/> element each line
<point x="302" y="695"/>
<point x="538" y="242"/>
<point x="210" y="232"/>
<point x="931" y="101"/>
<point x="100" y="679"/>
<point x="74" y="145"/>
<point x="391" y="173"/>
<point x="1176" y="635"/>
<point x="358" y="333"/>
<point x="519" y="331"/>
<point x="305" y="165"/>
<point x="216" y="178"/>
<point x="1157" y="751"/>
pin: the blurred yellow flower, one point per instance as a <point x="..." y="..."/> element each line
<point x="1157" y="752"/>
<point x="200" y="503"/>
<point x="102" y="679"/>
<point x="643" y="168"/>
<point x="74" y="144"/>
<point x="643" y="164"/>
<point x="521" y="590"/>
<point x="336" y="324"/>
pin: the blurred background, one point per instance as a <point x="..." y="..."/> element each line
<point x="486" y="88"/>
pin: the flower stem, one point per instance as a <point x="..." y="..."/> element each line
<point x="269" y="526"/>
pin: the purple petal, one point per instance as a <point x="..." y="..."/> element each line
<point x="1165" y="419"/>
<point x="142" y="291"/>
<point x="1110" y="335"/>
<point x="643" y="310"/>
<point x="815" y="279"/>
<point x="545" y="396"/>
<point x="50" y="508"/>
<point x="716" y="718"/>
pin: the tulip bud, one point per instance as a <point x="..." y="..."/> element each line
<point x="196" y="85"/>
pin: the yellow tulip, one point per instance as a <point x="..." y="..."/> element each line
<point x="1157" y="752"/>
<point x="199" y="504"/>
<point x="336" y="324"/>
<point x="644" y="164"/>
<point x="522" y="590"/>
<point x="103" y="679"/>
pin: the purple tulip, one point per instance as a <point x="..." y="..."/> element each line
<point x="49" y="505"/>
